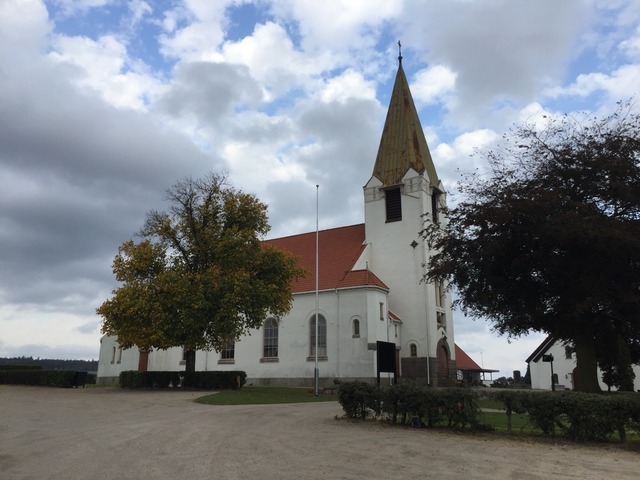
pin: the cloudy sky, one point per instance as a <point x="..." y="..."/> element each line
<point x="106" y="103"/>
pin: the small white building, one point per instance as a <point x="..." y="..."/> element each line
<point x="564" y="363"/>
<point x="370" y="285"/>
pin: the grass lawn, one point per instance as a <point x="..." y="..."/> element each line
<point x="265" y="395"/>
<point x="498" y="420"/>
<point x="490" y="403"/>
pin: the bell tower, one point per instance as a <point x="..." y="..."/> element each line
<point x="403" y="195"/>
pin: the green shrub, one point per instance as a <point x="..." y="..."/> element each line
<point x="574" y="415"/>
<point x="434" y="406"/>
<point x="460" y="407"/>
<point x="359" y="399"/>
<point x="588" y="417"/>
<point x="43" y="378"/>
<point x="20" y="367"/>
<point x="408" y="403"/>
<point x="196" y="380"/>
<point x="405" y="400"/>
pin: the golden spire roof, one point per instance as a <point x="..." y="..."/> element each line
<point x="403" y="145"/>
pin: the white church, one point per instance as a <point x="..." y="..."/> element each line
<point x="370" y="286"/>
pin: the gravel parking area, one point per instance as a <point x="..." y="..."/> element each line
<point x="48" y="433"/>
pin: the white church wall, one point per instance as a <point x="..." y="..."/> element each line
<point x="563" y="366"/>
<point x="347" y="356"/>
<point x="541" y="371"/>
<point x="392" y="256"/>
<point x="354" y="358"/>
<point x="111" y="362"/>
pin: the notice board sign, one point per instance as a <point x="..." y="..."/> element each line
<point x="386" y="359"/>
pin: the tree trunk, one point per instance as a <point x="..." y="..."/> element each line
<point x="143" y="360"/>
<point x="624" y="367"/>
<point x="586" y="372"/>
<point x="190" y="357"/>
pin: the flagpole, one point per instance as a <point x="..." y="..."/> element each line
<point x="316" y="373"/>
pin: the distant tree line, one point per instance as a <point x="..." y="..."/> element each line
<point x="53" y="364"/>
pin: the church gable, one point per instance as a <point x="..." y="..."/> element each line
<point x="339" y="250"/>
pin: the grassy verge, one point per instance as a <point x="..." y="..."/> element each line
<point x="265" y="395"/>
<point x="498" y="420"/>
<point x="490" y="403"/>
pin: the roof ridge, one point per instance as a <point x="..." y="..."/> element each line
<point x="313" y="231"/>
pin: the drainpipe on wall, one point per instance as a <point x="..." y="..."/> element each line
<point x="426" y="303"/>
<point x="338" y="333"/>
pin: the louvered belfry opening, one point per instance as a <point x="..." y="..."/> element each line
<point x="393" y="204"/>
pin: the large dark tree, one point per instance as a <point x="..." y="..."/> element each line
<point x="549" y="239"/>
<point x="200" y="278"/>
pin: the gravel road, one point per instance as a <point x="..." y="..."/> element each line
<point x="48" y="433"/>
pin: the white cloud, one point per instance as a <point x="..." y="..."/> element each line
<point x="620" y="84"/>
<point x="341" y="25"/>
<point x="631" y="46"/>
<point x="273" y="61"/>
<point x="105" y="67"/>
<point x="500" y="50"/>
<point x="71" y="7"/>
<point x="139" y="9"/>
<point x="24" y="26"/>
<point x="459" y="156"/>
<point x="26" y="325"/>
<point x="433" y="83"/>
<point x="348" y="85"/>
<point x="203" y="33"/>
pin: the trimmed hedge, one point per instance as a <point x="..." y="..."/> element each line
<point x="359" y="399"/>
<point x="411" y="404"/>
<point x="43" y="378"/>
<point x="576" y="416"/>
<point x="196" y="380"/>
<point x="20" y="367"/>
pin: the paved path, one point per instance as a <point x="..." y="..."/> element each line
<point x="48" y="433"/>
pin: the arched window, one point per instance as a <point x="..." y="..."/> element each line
<point x="435" y="205"/>
<point x="439" y="294"/>
<point x="356" y="328"/>
<point x="113" y="354"/>
<point x="413" y="350"/>
<point x="322" y="337"/>
<point x="270" y="338"/>
<point x="443" y="362"/>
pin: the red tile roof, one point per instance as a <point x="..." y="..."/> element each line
<point x="338" y="251"/>
<point x="464" y="361"/>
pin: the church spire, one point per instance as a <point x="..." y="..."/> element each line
<point x="403" y="144"/>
